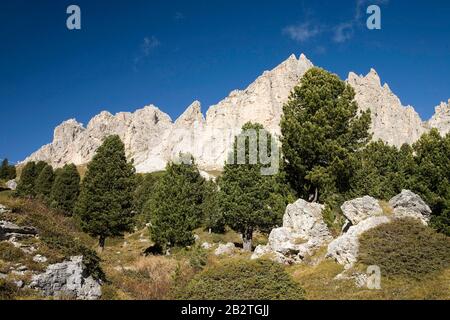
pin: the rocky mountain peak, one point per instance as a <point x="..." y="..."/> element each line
<point x="391" y="121"/>
<point x="152" y="139"/>
<point x="441" y="118"/>
<point x="192" y="116"/>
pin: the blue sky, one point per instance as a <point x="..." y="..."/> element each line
<point x="169" y="53"/>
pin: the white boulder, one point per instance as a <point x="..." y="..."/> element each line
<point x="225" y="249"/>
<point x="344" y="249"/>
<point x="68" y="279"/>
<point x="409" y="205"/>
<point x="359" y="209"/>
<point x="11" y="184"/>
<point x="302" y="233"/>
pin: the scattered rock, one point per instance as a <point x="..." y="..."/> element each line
<point x="9" y="230"/>
<point x="11" y="184"/>
<point x="360" y="209"/>
<point x="196" y="237"/>
<point x="68" y="279"/>
<point x="19" y="283"/>
<point x="409" y="204"/>
<point x="225" y="249"/>
<point x="4" y="209"/>
<point x="345" y="248"/>
<point x="303" y="232"/>
<point x="359" y="278"/>
<point x="207" y="245"/>
<point x="3" y="276"/>
<point x="22" y="268"/>
<point x="40" y="259"/>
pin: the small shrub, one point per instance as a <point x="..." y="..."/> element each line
<point x="405" y="248"/>
<point x="198" y="258"/>
<point x="243" y="280"/>
<point x="8" y="291"/>
<point x="10" y="253"/>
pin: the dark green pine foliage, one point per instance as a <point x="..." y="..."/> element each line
<point x="105" y="204"/>
<point x="65" y="189"/>
<point x="321" y="130"/>
<point x="432" y="178"/>
<point x="44" y="183"/>
<point x="249" y="200"/>
<point x="12" y="172"/>
<point x="25" y="186"/>
<point x="382" y="171"/>
<point x="4" y="169"/>
<point x="7" y="171"/>
<point x="175" y="208"/>
<point x="145" y="186"/>
<point x="214" y="219"/>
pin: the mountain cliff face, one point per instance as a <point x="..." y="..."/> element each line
<point x="152" y="139"/>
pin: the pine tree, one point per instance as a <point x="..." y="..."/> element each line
<point x="25" y="187"/>
<point x="65" y="189"/>
<point x="40" y="165"/>
<point x="214" y="219"/>
<point x="432" y="177"/>
<point x="12" y="173"/>
<point x="105" y="204"/>
<point x="382" y="171"/>
<point x="4" y="169"/>
<point x="145" y="186"/>
<point x="44" y="183"/>
<point x="175" y="208"/>
<point x="248" y="199"/>
<point x="321" y="131"/>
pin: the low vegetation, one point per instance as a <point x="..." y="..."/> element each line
<point x="405" y="248"/>
<point x="243" y="280"/>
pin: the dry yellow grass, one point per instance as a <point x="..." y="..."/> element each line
<point x="319" y="284"/>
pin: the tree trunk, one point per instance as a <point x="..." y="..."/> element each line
<point x="101" y="243"/>
<point x="315" y="196"/>
<point x="247" y="237"/>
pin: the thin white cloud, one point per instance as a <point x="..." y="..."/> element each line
<point x="147" y="46"/>
<point x="302" y="32"/>
<point x="179" y="16"/>
<point x="343" y="32"/>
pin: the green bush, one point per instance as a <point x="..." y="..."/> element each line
<point x="405" y="247"/>
<point x="198" y="258"/>
<point x="10" y="253"/>
<point x="243" y="280"/>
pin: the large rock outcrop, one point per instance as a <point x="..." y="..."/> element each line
<point x="9" y="230"/>
<point x="68" y="279"/>
<point x="302" y="233"/>
<point x="359" y="209"/>
<point x="410" y="205"/>
<point x="365" y="214"/>
<point x="345" y="248"/>
<point x="152" y="139"/>
<point x="11" y="184"/>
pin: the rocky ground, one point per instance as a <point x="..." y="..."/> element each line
<point x="38" y="262"/>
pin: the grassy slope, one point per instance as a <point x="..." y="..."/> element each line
<point x="134" y="276"/>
